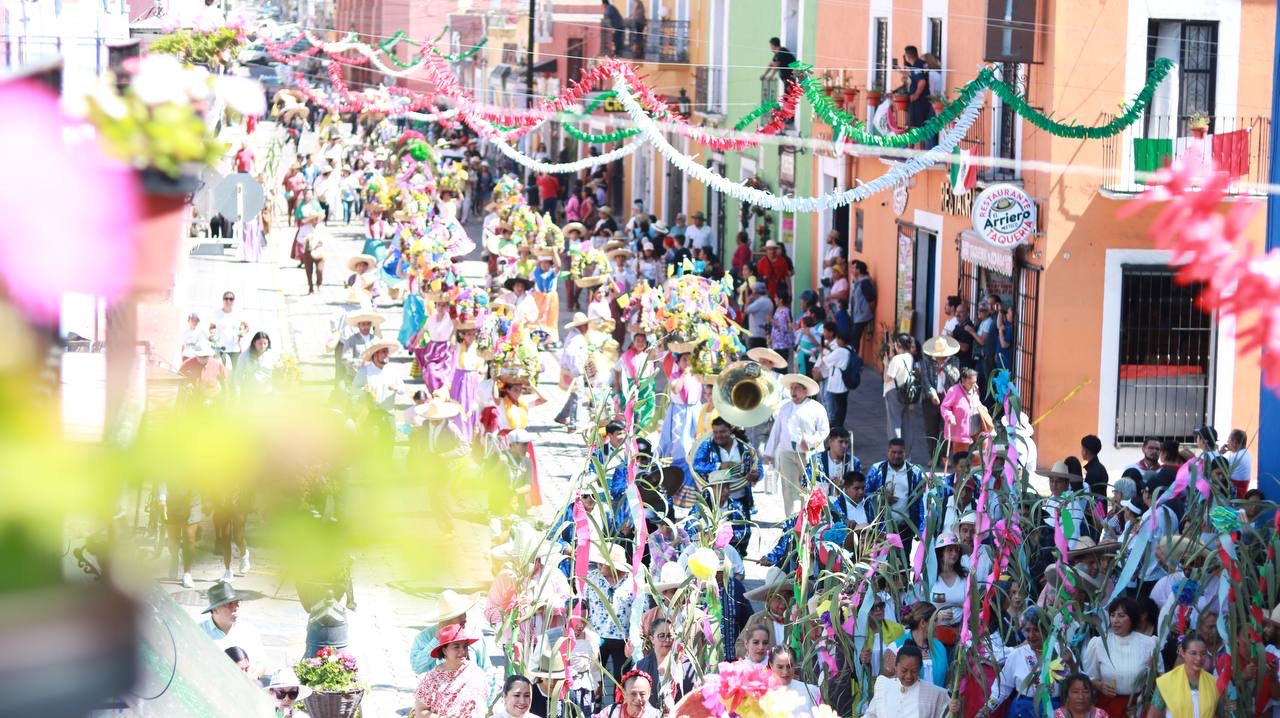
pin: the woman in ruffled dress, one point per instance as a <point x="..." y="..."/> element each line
<point x="433" y="348"/>
<point x="456" y="688"/>
<point x="467" y="376"/>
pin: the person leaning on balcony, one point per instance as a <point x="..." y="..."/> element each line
<point x="612" y="21"/>
<point x="782" y="59"/>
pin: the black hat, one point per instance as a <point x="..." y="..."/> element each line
<point x="510" y="284"/>
<point x="220" y="594"/>
<point x="1209" y="434"/>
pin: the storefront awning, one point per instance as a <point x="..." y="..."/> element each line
<point x="973" y="249"/>
<point x="500" y="73"/>
<point x="547" y="67"/>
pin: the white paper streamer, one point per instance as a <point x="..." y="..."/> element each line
<point x="567" y="167"/>
<point x="434" y="117"/>
<point x="947" y="141"/>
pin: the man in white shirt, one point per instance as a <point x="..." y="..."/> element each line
<point x="229" y="328"/>
<point x="194" y="337"/>
<point x="1237" y="454"/>
<point x="226" y="630"/>
<point x="698" y="234"/>
<point x="799" y="427"/>
<point x="832" y="363"/>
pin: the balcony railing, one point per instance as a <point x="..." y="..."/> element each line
<point x="769" y="89"/>
<point x="656" y="41"/>
<point x="1238" y="145"/>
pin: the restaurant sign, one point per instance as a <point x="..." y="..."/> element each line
<point x="1004" y="215"/>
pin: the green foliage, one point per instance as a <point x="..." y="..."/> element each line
<point x="214" y="49"/>
<point x="329" y="670"/>
<point x="166" y="137"/>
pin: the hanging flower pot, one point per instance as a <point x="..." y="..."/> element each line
<point x="850" y="95"/>
<point x="1199" y="132"/>
<point x="900" y="101"/>
<point x="828" y="90"/>
<point x="874" y="97"/>
<point x="161" y="228"/>
<point x="938" y="107"/>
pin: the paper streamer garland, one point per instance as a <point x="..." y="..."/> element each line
<point x="986" y="80"/>
<point x="760" y="198"/>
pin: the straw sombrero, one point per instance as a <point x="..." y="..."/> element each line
<point x="449" y="606"/>
<point x="617" y="558"/>
<point x="378" y="346"/>
<point x="809" y="384"/>
<point x="941" y="346"/>
<point x="775" y="581"/>
<point x="369" y="259"/>
<point x="579" y="319"/>
<point x="620" y="252"/>
<point x="439" y="408"/>
<point x="574" y="227"/>
<point x="365" y="316"/>
<point x="767" y="357"/>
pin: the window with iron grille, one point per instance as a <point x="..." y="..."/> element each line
<point x="1006" y="127"/>
<point x="575" y="56"/>
<point x="1166" y="355"/>
<point x="935" y="37"/>
<point x="880" y="75"/>
<point x="1194" y="47"/>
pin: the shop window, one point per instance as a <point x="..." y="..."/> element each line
<point x="1166" y="355"/>
<point x="1014" y="280"/>
<point x="935" y="37"/>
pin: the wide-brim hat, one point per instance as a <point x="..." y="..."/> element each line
<point x="605" y="210"/>
<point x="612" y="245"/>
<point x="946" y="539"/>
<point x="1183" y="550"/>
<point x="203" y="349"/>
<point x="510" y="284"/>
<point x="286" y="678"/>
<point x="620" y="252"/>
<point x="617" y="558"/>
<point x="699" y="215"/>
<point x="1085" y="546"/>
<point x="452" y="633"/>
<point x="941" y="346"/>
<point x="767" y="357"/>
<point x="775" y="581"/>
<point x="1060" y="471"/>
<point x="449" y="606"/>
<point x="368" y="259"/>
<point x="438" y="409"/>
<point x="670" y="576"/>
<point x="400" y="215"/>
<point x="378" y="346"/>
<point x="809" y="384"/>
<point x="374" y="318"/>
<point x="551" y="663"/>
<point x="660" y="228"/>
<point x="578" y="227"/>
<point x="220" y="594"/>
<point x="579" y="319"/>
<point x="772" y="244"/>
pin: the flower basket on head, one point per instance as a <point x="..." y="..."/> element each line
<point x="589" y="268"/>
<point x="334" y="680"/>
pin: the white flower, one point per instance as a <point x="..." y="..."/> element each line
<point x="196" y="82"/>
<point x="160" y="79"/>
<point x="241" y="94"/>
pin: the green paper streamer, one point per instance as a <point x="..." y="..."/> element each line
<point x="757" y="113"/>
<point x="594" y="139"/>
<point x="856" y="131"/>
<point x="598" y="100"/>
<point x="462" y="55"/>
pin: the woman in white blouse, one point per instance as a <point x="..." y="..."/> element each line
<point x="906" y="696"/>
<point x="782" y="664"/>
<point x="897" y="372"/>
<point x="1020" y="676"/>
<point x="949" y="587"/>
<point x="1119" y="661"/>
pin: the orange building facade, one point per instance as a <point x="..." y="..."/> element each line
<point x="1107" y="343"/>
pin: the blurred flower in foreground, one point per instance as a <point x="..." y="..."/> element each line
<point x="69" y="211"/>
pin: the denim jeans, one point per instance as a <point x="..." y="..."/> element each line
<point x="348" y="206"/>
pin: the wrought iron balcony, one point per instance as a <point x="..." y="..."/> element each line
<point x="655" y="41"/>
<point x="1238" y="145"/>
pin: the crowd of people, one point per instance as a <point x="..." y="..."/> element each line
<point x="901" y="583"/>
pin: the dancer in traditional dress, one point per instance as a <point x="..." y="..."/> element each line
<point x="432" y="346"/>
<point x="545" y="296"/>
<point x="680" y="422"/>
<point x="465" y="387"/>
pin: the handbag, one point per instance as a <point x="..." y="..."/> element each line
<point x="984" y="417"/>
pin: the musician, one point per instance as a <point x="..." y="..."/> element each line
<point x="800" y="427"/>
<point x="726" y="451"/>
<point x="834" y="463"/>
<point x="621" y="522"/>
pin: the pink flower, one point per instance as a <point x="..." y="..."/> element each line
<point x="69" y="211"/>
<point x="724" y="534"/>
<point x="740" y="681"/>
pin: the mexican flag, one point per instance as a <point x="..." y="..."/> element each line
<point x="964" y="173"/>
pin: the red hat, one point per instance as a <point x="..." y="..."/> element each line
<point x="452" y="633"/>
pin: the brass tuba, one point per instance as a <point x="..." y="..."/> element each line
<point x="746" y="393"/>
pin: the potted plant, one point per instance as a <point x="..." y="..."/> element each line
<point x="850" y="95"/>
<point x="215" y="48"/>
<point x="334" y="680"/>
<point x="900" y="101"/>
<point x="1199" y="124"/>
<point x="154" y="118"/>
<point x="874" y="95"/>
<point x="939" y="103"/>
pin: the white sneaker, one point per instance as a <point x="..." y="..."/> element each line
<point x="244" y="563"/>
<point x="187" y="581"/>
<point x="227" y="576"/>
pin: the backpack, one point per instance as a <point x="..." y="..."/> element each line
<point x="910" y="391"/>
<point x="851" y="374"/>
